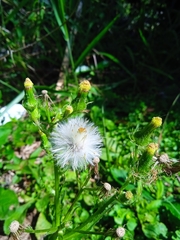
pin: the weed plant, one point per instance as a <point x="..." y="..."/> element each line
<point x="75" y="204"/>
<point x="133" y="192"/>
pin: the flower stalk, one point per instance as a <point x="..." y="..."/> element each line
<point x="145" y="160"/>
<point x="142" y="137"/>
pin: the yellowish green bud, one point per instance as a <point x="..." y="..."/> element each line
<point x="28" y="84"/>
<point x="30" y="101"/>
<point x="145" y="160"/>
<point x="80" y="102"/>
<point x="156" y="122"/>
<point x="84" y="86"/>
<point x="151" y="148"/>
<point x="68" y="110"/>
<point x="128" y="195"/>
<point x="142" y="137"/>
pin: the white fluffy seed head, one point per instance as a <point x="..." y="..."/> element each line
<point x="14" y="226"/>
<point x="75" y="143"/>
<point x="107" y="186"/>
<point x="120" y="231"/>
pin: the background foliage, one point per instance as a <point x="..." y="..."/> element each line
<point x="131" y="53"/>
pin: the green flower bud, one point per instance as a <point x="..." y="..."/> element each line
<point x="142" y="137"/>
<point x="28" y="84"/>
<point x="68" y="110"/>
<point x="80" y="102"/>
<point x="30" y="101"/>
<point x="146" y="159"/>
<point x="84" y="86"/>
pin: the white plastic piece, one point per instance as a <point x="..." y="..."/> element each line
<point x="82" y="69"/>
<point x="16" y="111"/>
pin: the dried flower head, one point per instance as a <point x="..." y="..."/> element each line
<point x="107" y="187"/>
<point x="128" y="195"/>
<point x="75" y="143"/>
<point x="16" y="229"/>
<point x="96" y="160"/>
<point x="120" y="231"/>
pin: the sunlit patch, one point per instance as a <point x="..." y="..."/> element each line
<point x="81" y="130"/>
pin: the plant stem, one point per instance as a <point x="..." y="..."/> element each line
<point x="56" y="198"/>
<point x="76" y="199"/>
<point x="103" y="208"/>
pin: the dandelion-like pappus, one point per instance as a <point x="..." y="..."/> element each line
<point x="75" y="142"/>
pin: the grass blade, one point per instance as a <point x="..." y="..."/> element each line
<point x="94" y="41"/>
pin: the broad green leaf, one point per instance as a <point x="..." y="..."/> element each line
<point x="174" y="208"/>
<point x="42" y="223"/>
<point x="109" y="124"/>
<point x="42" y="203"/>
<point x="88" y="199"/>
<point x="8" y="201"/>
<point x="154" y="205"/>
<point x="119" y="175"/>
<point x="18" y="215"/>
<point x="155" y="231"/>
<point x="5" y="131"/>
<point x="131" y="224"/>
